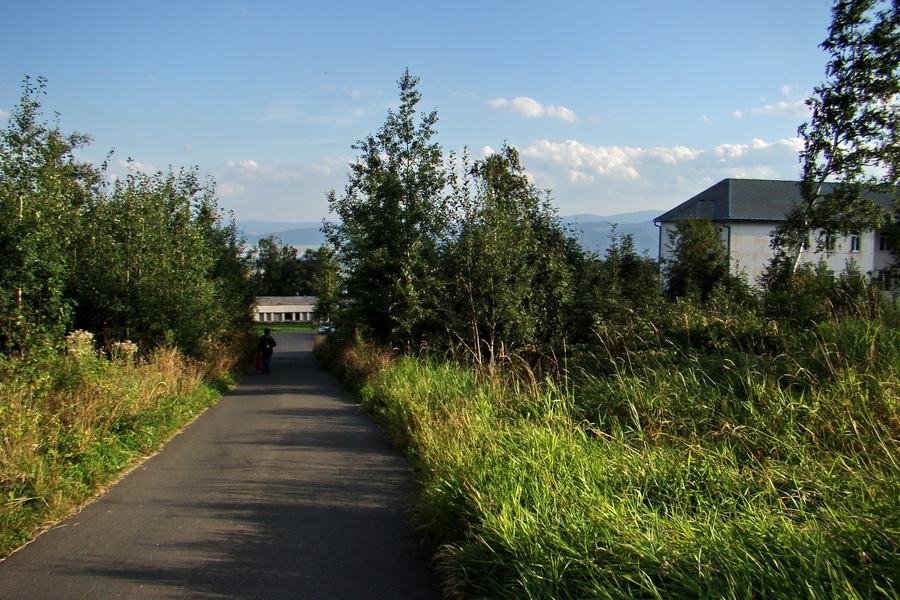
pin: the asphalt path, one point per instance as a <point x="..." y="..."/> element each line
<point x="284" y="489"/>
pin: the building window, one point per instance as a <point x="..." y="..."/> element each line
<point x="854" y="242"/>
<point x="884" y="241"/>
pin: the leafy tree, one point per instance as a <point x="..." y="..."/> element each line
<point x="230" y="272"/>
<point x="699" y="260"/>
<point x="506" y="268"/>
<point x="815" y="294"/>
<point x="148" y="258"/>
<point x="326" y="282"/>
<point x="157" y="266"/>
<point x="890" y="277"/>
<point x="589" y="300"/>
<point x="391" y="221"/>
<point x="852" y="137"/>
<point x="610" y="290"/>
<point x="307" y="271"/>
<point x="278" y="270"/>
<point x="42" y="192"/>
<point x="628" y="280"/>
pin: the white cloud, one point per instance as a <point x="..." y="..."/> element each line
<point x="4" y="115"/>
<point x="289" y="191"/>
<point x="586" y="162"/>
<point x="229" y="188"/>
<point x="583" y="177"/>
<point x="796" y="108"/>
<point x="247" y="165"/>
<point x="733" y="151"/>
<point x="330" y="167"/>
<point x="469" y="95"/>
<point x="532" y="108"/>
<point x="586" y="178"/>
<point x="341" y="118"/>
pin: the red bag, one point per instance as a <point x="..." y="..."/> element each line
<point x="259" y="364"/>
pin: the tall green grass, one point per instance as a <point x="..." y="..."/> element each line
<point x="698" y="469"/>
<point x="71" y="423"/>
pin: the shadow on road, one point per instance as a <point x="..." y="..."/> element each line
<point x="285" y="489"/>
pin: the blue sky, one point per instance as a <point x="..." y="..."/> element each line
<point x="614" y="106"/>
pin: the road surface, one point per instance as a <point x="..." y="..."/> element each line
<point x="284" y="489"/>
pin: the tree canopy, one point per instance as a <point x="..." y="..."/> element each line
<point x="391" y="221"/>
<point x="148" y="257"/>
<point x="853" y="136"/>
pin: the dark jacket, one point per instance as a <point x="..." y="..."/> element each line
<point x="266" y="345"/>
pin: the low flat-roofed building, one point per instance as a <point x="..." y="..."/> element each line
<point x="285" y="309"/>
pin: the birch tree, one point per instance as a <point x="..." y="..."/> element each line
<point x="853" y="136"/>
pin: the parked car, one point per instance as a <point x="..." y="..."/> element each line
<point x="326" y="327"/>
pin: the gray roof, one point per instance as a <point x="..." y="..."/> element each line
<point x="285" y="300"/>
<point x="747" y="200"/>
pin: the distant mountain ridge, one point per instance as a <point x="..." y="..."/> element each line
<point x="641" y="216"/>
<point x="265" y="228"/>
<point x="592" y="230"/>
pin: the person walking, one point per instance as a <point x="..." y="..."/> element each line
<point x="266" y="347"/>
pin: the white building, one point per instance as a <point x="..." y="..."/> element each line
<point x="747" y="210"/>
<point x="280" y="309"/>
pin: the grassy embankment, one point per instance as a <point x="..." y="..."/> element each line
<point x="713" y="460"/>
<point x="70" y="424"/>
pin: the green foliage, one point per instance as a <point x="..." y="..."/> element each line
<point x="326" y="282"/>
<point x="508" y="281"/>
<point x="813" y="294"/>
<point x="149" y="258"/>
<point x="852" y="135"/>
<point x="158" y="266"/>
<point x="230" y="270"/>
<point x="678" y="470"/>
<point x="699" y="261"/>
<point x="473" y="257"/>
<point x="628" y="281"/>
<point x="71" y="423"/>
<point x="278" y="271"/>
<point x="42" y="192"/>
<point x="391" y="221"/>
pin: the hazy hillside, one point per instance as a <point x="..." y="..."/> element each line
<point x="641" y="216"/>
<point x="301" y="235"/>
<point x="592" y="230"/>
